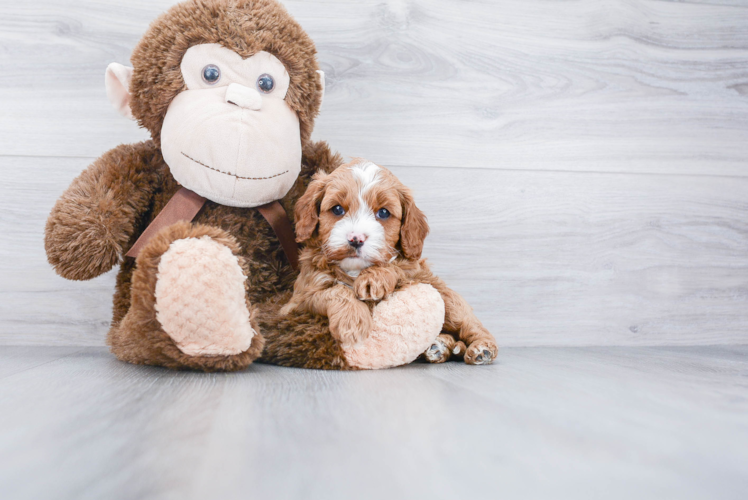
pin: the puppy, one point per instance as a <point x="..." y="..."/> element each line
<point x="363" y="236"/>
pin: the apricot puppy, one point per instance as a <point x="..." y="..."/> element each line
<point x="363" y="236"/>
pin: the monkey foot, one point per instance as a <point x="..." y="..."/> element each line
<point x="201" y="298"/>
<point x="405" y="325"/>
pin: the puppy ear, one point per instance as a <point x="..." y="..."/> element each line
<point x="306" y="213"/>
<point x="414" y="228"/>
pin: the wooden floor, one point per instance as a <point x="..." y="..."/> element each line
<point x="544" y="422"/>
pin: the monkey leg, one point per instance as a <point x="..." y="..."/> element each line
<point x="298" y="339"/>
<point x="189" y="306"/>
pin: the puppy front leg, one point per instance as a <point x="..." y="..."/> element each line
<point x="350" y="319"/>
<point x="460" y="319"/>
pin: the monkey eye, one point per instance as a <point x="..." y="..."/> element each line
<point x="337" y="210"/>
<point x="383" y="213"/>
<point x="265" y="83"/>
<point x="211" y="74"/>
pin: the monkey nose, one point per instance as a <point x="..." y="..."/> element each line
<point x="244" y="97"/>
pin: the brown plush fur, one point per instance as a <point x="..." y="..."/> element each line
<point x="244" y="26"/>
<point x="106" y="208"/>
<point x="321" y="287"/>
<point x="139" y="338"/>
<point x="110" y="204"/>
<point x="298" y="339"/>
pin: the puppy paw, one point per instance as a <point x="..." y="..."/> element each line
<point x="441" y="350"/>
<point x="481" y="352"/>
<point x="351" y="326"/>
<point x="374" y="283"/>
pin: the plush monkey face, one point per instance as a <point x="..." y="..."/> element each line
<point x="230" y="136"/>
<point x="230" y="95"/>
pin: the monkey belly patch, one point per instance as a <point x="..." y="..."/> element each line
<point x="405" y="325"/>
<point x="201" y="300"/>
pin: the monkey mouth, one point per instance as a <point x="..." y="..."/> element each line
<point x="229" y="173"/>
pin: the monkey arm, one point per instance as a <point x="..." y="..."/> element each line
<point x="95" y="218"/>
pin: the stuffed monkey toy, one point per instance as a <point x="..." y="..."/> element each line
<point x="197" y="218"/>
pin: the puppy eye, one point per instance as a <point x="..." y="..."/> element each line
<point x="211" y="74"/>
<point x="383" y="213"/>
<point x="337" y="210"/>
<point x="265" y="83"/>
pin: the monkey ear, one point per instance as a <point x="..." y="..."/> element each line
<point x="305" y="213"/>
<point x="117" y="81"/>
<point x="322" y="81"/>
<point x="414" y="228"/>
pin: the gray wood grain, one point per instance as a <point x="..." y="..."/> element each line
<point x="620" y="86"/>
<point x="545" y="258"/>
<point x="581" y="423"/>
<point x="16" y="360"/>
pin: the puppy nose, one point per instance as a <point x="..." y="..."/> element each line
<point x="244" y="97"/>
<point x="356" y="240"/>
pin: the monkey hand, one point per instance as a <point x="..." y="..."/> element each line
<point x="78" y="242"/>
<point x="92" y="222"/>
<point x="351" y="324"/>
<point x="375" y="283"/>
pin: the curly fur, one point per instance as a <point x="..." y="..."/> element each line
<point x="324" y="289"/>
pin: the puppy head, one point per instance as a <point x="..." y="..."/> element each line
<point x="360" y="215"/>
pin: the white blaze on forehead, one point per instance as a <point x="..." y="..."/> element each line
<point x="367" y="175"/>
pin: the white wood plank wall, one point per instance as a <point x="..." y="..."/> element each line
<point x="583" y="164"/>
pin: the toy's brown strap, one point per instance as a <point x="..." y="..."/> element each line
<point x="186" y="204"/>
<point x="278" y="220"/>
